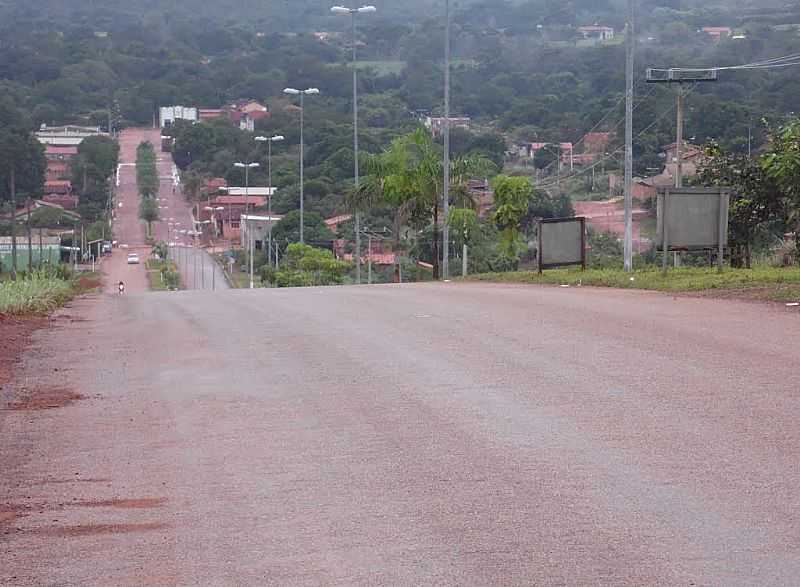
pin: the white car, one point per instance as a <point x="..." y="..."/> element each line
<point x="133" y="259"/>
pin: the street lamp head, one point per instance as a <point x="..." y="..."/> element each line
<point x="368" y="8"/>
<point x="261" y="139"/>
<point x="310" y="91"/>
<point x="277" y="138"/>
<point x="340" y="10"/>
<point x="291" y="91"/>
<point x="243" y="165"/>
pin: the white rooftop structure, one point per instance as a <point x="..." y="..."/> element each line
<point x="167" y="115"/>
<point x="251" y="191"/>
<point x="66" y="136"/>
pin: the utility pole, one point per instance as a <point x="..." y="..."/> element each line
<point x="679" y="143"/>
<point x="446" y="164"/>
<point x="369" y="258"/>
<point x="464" y="256"/>
<point x="629" y="56"/>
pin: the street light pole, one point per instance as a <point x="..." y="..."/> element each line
<point x="249" y="237"/>
<point x="356" y="176"/>
<point x="269" y="141"/>
<point x="302" y="93"/>
<point x="446" y="164"/>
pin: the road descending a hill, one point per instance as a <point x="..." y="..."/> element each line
<point x="441" y="434"/>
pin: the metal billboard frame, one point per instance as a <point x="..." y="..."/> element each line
<point x="582" y="262"/>
<point x="722" y="221"/>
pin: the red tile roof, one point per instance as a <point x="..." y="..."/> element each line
<point x="56" y="150"/>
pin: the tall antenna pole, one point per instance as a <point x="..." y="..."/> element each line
<point x="629" y="53"/>
<point x="355" y="148"/>
<point x="446" y="165"/>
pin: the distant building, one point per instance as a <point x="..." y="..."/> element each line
<point x="717" y="32"/>
<point x="258" y="226"/>
<point x="597" y="142"/>
<point x="46" y="249"/>
<point x="597" y="33"/>
<point x="59" y="186"/>
<point x="210" y="113"/>
<point x="436" y="124"/>
<point x="66" y="136"/>
<point x="167" y="115"/>
<point x="246" y="113"/>
<point x="333" y="223"/>
<point x="227" y="221"/>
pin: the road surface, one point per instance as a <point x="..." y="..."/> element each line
<point x="129" y="230"/>
<point x="438" y="434"/>
<point x="198" y="269"/>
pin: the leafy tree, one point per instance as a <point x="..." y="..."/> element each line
<point x="512" y="197"/>
<point x="304" y="266"/>
<point x="287" y="230"/>
<point x="755" y="203"/>
<point x="148" y="212"/>
<point x="782" y="165"/>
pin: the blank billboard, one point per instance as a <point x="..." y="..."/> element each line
<point x="562" y="242"/>
<point x="693" y="218"/>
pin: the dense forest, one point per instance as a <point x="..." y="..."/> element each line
<point x="521" y="71"/>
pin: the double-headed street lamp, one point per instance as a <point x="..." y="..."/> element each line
<point x="269" y="141"/>
<point x="302" y="94"/>
<point x="247" y="167"/>
<point x="353" y="12"/>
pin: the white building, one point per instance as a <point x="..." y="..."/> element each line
<point x="66" y="136"/>
<point x="167" y="115"/>
<point x="597" y="32"/>
<point x="259" y="227"/>
<point x="436" y="124"/>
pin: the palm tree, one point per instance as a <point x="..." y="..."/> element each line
<point x="409" y="177"/>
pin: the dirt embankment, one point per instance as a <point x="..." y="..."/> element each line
<point x="15" y="336"/>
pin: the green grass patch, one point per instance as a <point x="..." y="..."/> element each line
<point x="162" y="275"/>
<point x="784" y="282"/>
<point x="36" y="294"/>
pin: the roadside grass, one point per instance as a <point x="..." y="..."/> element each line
<point x="156" y="277"/>
<point x="36" y="294"/>
<point x="780" y="284"/>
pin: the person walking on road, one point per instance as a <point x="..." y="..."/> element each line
<point x="121" y="288"/>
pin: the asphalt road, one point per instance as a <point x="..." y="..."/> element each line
<point x="129" y="230"/>
<point x="438" y="434"/>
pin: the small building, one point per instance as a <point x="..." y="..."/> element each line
<point x="59" y="153"/>
<point x="246" y="113"/>
<point x="58" y="186"/>
<point x="210" y="113"/>
<point x="717" y="32"/>
<point x="57" y="170"/>
<point x="258" y="226"/>
<point x="436" y="124"/>
<point x="597" y="32"/>
<point x="167" y="115"/>
<point x="597" y="142"/>
<point x="227" y="222"/>
<point x="67" y="136"/>
<point x="334" y="222"/>
<point x="45" y="249"/>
